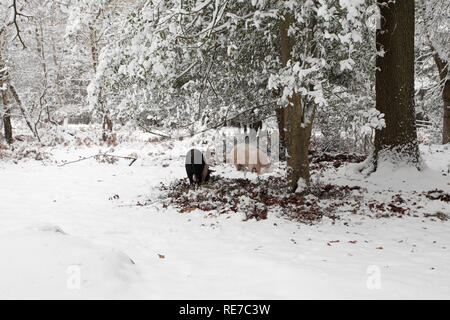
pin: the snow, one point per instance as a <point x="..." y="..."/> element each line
<point x="193" y="255"/>
<point x="346" y="64"/>
<point x="46" y="263"/>
<point x="301" y="185"/>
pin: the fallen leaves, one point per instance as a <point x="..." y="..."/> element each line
<point x="438" y="195"/>
<point x="396" y="209"/>
<point x="441" y="216"/>
<point x="337" y="159"/>
<point x="187" y="209"/>
<point x="332" y="241"/>
<point x="253" y="199"/>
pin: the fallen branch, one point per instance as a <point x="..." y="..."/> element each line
<point x="139" y="204"/>
<point x="143" y="127"/>
<point x="101" y="155"/>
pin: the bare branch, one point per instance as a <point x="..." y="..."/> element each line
<point x="16" y="14"/>
<point x="100" y="155"/>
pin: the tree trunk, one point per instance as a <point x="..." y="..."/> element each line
<point x="297" y="144"/>
<point x="282" y="134"/>
<point x="24" y="112"/>
<point x="39" y="33"/>
<point x="7" y="117"/>
<point x="296" y="133"/>
<point x="7" y="111"/>
<point x="107" y="128"/>
<point x="445" y="87"/>
<point x="107" y="122"/>
<point x="395" y="83"/>
<point x="55" y="59"/>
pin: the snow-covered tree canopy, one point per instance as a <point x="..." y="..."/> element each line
<point x="432" y="41"/>
<point x="204" y="64"/>
<point x="207" y="61"/>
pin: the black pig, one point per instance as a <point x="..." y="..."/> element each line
<point x="196" y="168"/>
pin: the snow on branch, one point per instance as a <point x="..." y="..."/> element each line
<point x="15" y="14"/>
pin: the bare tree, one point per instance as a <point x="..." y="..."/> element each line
<point x="442" y="67"/>
<point x="4" y="75"/>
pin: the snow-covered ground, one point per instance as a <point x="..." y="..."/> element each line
<point x="75" y="231"/>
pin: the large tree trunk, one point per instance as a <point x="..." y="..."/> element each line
<point x="297" y="141"/>
<point x="395" y="83"/>
<point x="445" y="87"/>
<point x="296" y="135"/>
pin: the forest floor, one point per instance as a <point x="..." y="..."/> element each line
<point x="96" y="229"/>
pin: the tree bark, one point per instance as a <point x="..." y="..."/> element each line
<point x="107" y="122"/>
<point x="282" y="134"/>
<point x="297" y="129"/>
<point x="55" y="58"/>
<point x="39" y="33"/>
<point x="7" y="116"/>
<point x="24" y="112"/>
<point x="395" y="83"/>
<point x="7" y="111"/>
<point x="297" y="144"/>
<point x="442" y="67"/>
